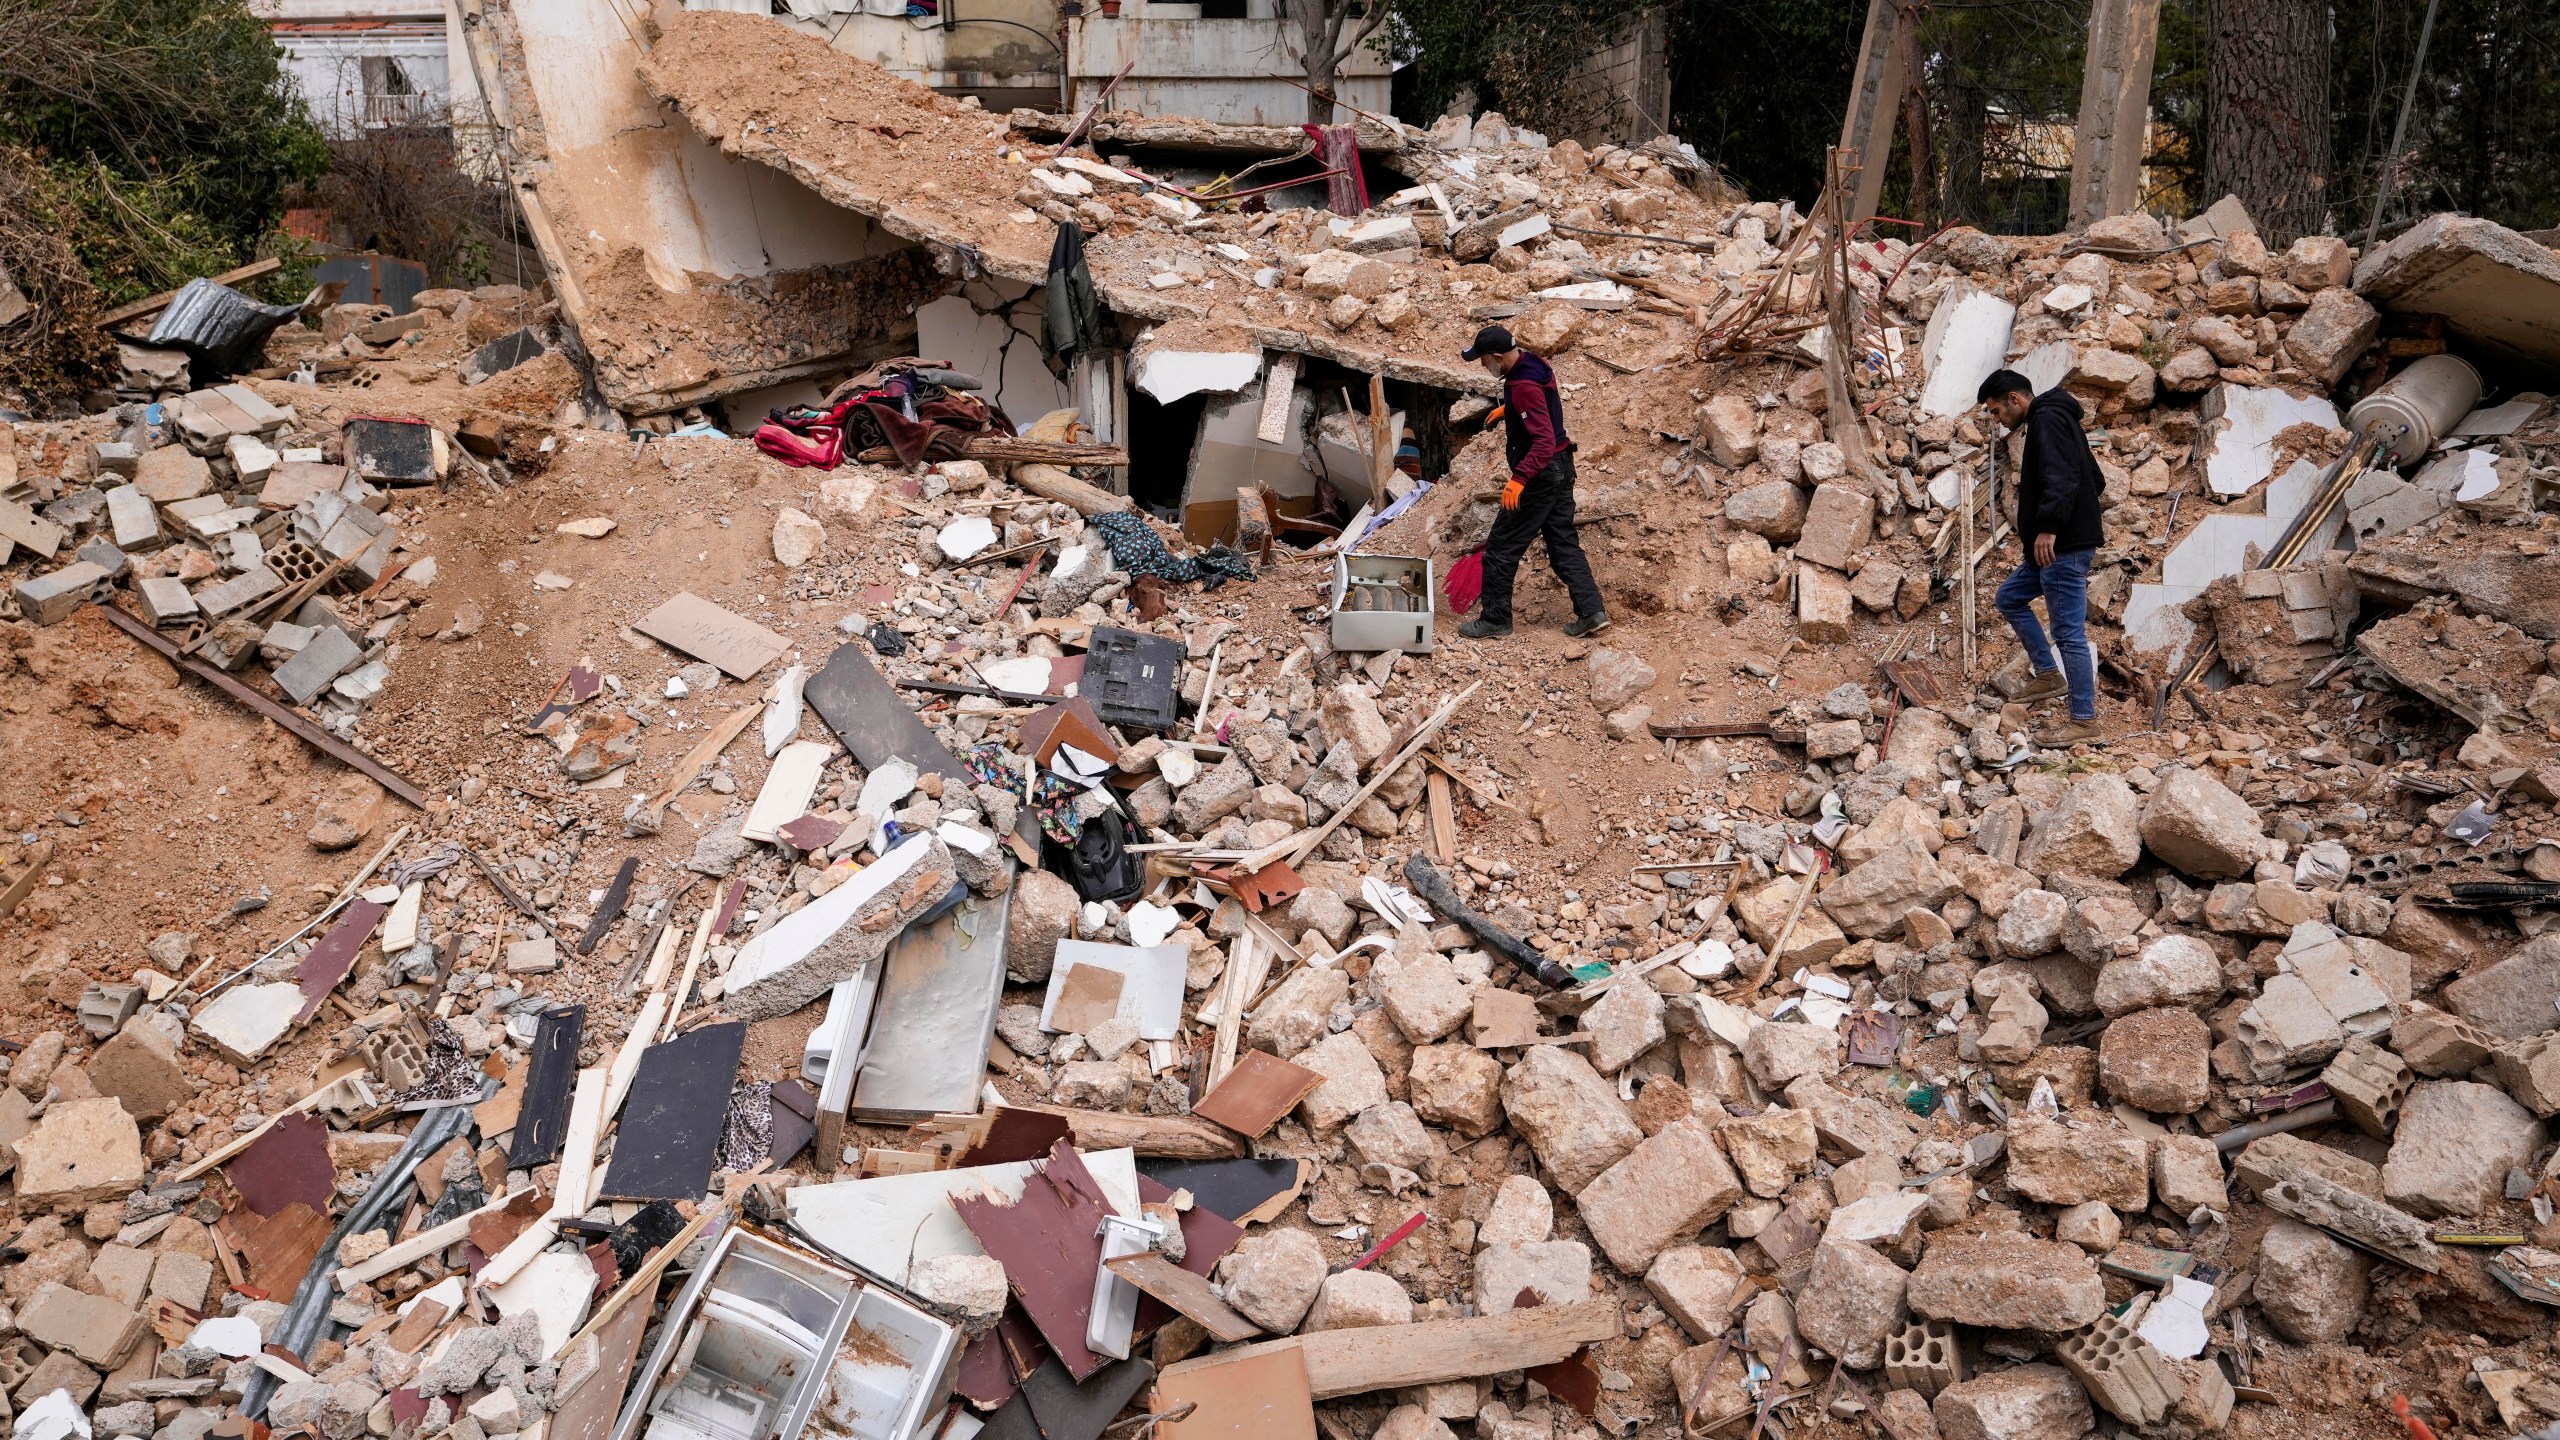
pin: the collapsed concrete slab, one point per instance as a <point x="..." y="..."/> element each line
<point x="2495" y="289"/>
<point x="839" y="933"/>
<point x="1968" y="338"/>
<point x="2243" y="424"/>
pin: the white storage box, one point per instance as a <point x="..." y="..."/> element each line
<point x="1382" y="602"/>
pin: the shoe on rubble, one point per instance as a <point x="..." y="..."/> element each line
<point x="2075" y="732"/>
<point x="1483" y="630"/>
<point x="2043" y="686"/>
<point x="1587" y="625"/>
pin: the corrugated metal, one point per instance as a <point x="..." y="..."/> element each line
<point x="221" y="330"/>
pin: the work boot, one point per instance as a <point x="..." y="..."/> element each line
<point x="1587" y="625"/>
<point x="1481" y="629"/>
<point x="2074" y="732"/>
<point x="2043" y="686"/>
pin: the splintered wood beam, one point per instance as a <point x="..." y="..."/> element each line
<point x="1388" y="1357"/>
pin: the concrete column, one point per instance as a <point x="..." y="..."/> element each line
<point x="1875" y="98"/>
<point x="2115" y="110"/>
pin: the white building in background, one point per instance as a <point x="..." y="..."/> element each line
<point x="372" y="64"/>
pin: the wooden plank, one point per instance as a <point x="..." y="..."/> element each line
<point x="155" y="303"/>
<point x="417" y="1247"/>
<point x="705" y="631"/>
<point x="1298" y="847"/>
<point x="1256" y="1093"/>
<point x="587" y="1412"/>
<point x="678" y="1110"/>
<point x="863" y="710"/>
<point x="286" y="719"/>
<point x="1177" y="1137"/>
<point x="542" y="1120"/>
<point x="703" y="754"/>
<point x="1261" y="1392"/>
<point x="1248" y="961"/>
<point x="1444" y="817"/>
<point x="1194" y="1297"/>
<point x="577" y="1175"/>
<point x="1386" y="1357"/>
<point x="1049" y="1245"/>
<point x="616" y="895"/>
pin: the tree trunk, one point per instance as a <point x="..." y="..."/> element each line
<point x="1968" y="117"/>
<point x="2267" y="112"/>
<point x="1317" y="36"/>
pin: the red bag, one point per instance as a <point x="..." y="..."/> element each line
<point x="1464" y="584"/>
<point x="821" y="447"/>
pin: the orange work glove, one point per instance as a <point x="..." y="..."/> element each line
<point x="1511" y="495"/>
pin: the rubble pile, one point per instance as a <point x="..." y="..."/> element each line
<point x="868" y="948"/>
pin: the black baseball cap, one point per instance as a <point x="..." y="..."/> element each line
<point x="1491" y="340"/>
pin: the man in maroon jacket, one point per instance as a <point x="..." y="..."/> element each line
<point x="1539" y="500"/>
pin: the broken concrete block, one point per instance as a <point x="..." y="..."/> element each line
<point x="1824" y="606"/>
<point x="2337" y="327"/>
<point x="1773" y="509"/>
<point x="2370" y="1224"/>
<point x="1924" y="1357"/>
<point x="330" y="654"/>
<point x="1762" y="914"/>
<point x="2092" y="831"/>
<point x="2313" y="1286"/>
<point x="839" y="933"/>
<point x="2172" y="971"/>
<point x="1626" y="1022"/>
<point x="1354" y="1299"/>
<point x="1569" y="1115"/>
<point x="141" y="1068"/>
<point x="97" y="1329"/>
<point x="2530" y="1071"/>
<point x="243" y="1021"/>
<point x="2368" y="1082"/>
<point x="1871" y="900"/>
<point x="104" y="1008"/>
<point x="2285" y="1027"/>
<point x="2055" y="1163"/>
<point x="1458" y="1086"/>
<point x="1558" y="1270"/>
<point x="1852" y="1303"/>
<point x="1780" y="1052"/>
<point x="2186" y="1175"/>
<point x="2268" y="1159"/>
<point x="2123" y="1373"/>
<point x="2008" y="1282"/>
<point x="1838" y="523"/>
<point x="2024" y="1402"/>
<point x="2194" y="822"/>
<point x="1668" y="1187"/>
<point x="2157" y="1060"/>
<point x="2092" y="1225"/>
<point x="1698" y="1286"/>
<point x="1352" y="1084"/>
<point x="2455" y="1143"/>
<point x="2515" y="998"/>
<point x="1770" y="1149"/>
<point x="2435" y="1043"/>
<point x="1298" y="1012"/>
<point x="81" y="1150"/>
<point x="1273" y="1278"/>
<point x="53" y="598"/>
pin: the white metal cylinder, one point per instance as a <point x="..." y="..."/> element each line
<point x="2418" y="407"/>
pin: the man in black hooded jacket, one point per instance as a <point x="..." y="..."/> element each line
<point x="2058" y="490"/>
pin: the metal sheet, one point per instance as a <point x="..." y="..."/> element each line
<point x="937" y="1010"/>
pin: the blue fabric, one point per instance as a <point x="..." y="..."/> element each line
<point x="2064" y="585"/>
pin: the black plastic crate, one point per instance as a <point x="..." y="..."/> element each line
<point x="1133" y="680"/>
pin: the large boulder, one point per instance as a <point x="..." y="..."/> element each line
<point x="2008" y="1281"/>
<point x="2455" y="1143"/>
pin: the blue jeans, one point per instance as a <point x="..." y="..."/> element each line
<point x="2064" y="584"/>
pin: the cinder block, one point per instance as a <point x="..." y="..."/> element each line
<point x="396" y="1059"/>
<point x="2530" y="1071"/>
<point x="2369" y="1083"/>
<point x="165" y="600"/>
<point x="2438" y="1044"/>
<point x="52" y="599"/>
<point x="1924" y="1357"/>
<point x="2122" y="1372"/>
<point x="104" y="1008"/>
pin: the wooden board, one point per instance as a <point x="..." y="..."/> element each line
<point x="616" y="895"/>
<point x="863" y="710"/>
<point x="1070" y="1411"/>
<point x="1387" y="1357"/>
<point x="1178" y="1137"/>
<point x="287" y="1165"/>
<point x="542" y="1121"/>
<point x="329" y="961"/>
<point x="587" y="1412"/>
<point x="1256" y="1093"/>
<point x="279" y="1250"/>
<point x="1050" y="1249"/>
<point x="1258" y="1393"/>
<point x="1185" y="1292"/>
<point x="675" y="1114"/>
<point x="788" y="784"/>
<point x="1243" y="1191"/>
<point x="738" y="645"/>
